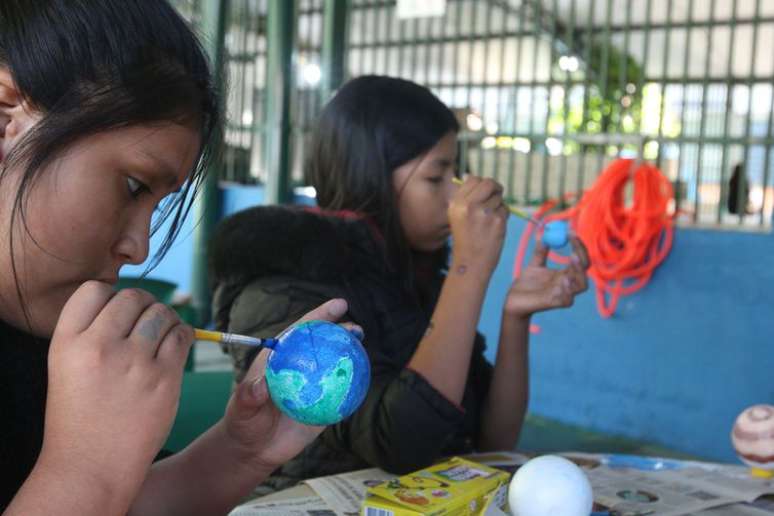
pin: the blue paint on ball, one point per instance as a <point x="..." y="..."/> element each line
<point x="318" y="373"/>
<point x="555" y="234"/>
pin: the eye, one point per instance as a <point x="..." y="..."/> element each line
<point x="135" y="187"/>
<point x="435" y="179"/>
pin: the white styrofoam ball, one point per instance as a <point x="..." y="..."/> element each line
<point x="550" y="485"/>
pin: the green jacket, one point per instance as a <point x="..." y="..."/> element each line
<point x="270" y="265"/>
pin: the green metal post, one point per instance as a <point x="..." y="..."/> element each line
<point x="741" y="199"/>
<point x="334" y="46"/>
<point x="280" y="79"/>
<point x="703" y="119"/>
<point x="206" y="207"/>
<point x="726" y="149"/>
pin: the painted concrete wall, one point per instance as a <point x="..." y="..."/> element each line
<point x="674" y="366"/>
<point x="677" y="362"/>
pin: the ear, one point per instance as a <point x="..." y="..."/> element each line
<point x="16" y="116"/>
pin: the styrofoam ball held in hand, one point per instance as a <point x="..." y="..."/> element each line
<point x="753" y="439"/>
<point x="556" y="234"/>
<point x="318" y="373"/>
<point x="550" y="486"/>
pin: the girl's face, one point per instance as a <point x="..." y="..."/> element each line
<point x="424" y="188"/>
<point x="88" y="214"/>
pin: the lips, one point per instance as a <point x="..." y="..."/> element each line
<point x="112" y="280"/>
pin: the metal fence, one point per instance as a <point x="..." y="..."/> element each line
<point x="246" y="59"/>
<point x="548" y="91"/>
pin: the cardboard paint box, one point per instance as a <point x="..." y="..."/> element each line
<point x="456" y="487"/>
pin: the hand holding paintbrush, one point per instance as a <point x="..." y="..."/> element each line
<point x="555" y="233"/>
<point x="516" y="211"/>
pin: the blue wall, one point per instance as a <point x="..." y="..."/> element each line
<point x="677" y="362"/>
<point x="674" y="366"/>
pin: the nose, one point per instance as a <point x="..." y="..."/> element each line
<point x="132" y="246"/>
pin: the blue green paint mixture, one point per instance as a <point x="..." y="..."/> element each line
<point x="318" y="373"/>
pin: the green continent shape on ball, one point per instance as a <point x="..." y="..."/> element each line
<point x="325" y="410"/>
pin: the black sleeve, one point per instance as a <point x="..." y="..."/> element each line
<point x="479" y="379"/>
<point x="403" y="424"/>
<point x="481" y="370"/>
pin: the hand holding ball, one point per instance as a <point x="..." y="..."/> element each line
<point x="555" y="234"/>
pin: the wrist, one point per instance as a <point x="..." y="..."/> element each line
<point x="243" y="459"/>
<point x="472" y="269"/>
<point x="73" y="486"/>
<point x="516" y="317"/>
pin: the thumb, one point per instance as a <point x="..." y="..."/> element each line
<point x="332" y="311"/>
<point x="539" y="255"/>
<point x="250" y="396"/>
<point x="252" y="392"/>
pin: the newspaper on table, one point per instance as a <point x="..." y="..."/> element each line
<point x="624" y="485"/>
<point x="344" y="493"/>
<point x="304" y="506"/>
<point x="760" y="507"/>
<point x="634" y="485"/>
<point x="670" y="492"/>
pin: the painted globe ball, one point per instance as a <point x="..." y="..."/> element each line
<point x="753" y="436"/>
<point x="318" y="373"/>
<point x="556" y="234"/>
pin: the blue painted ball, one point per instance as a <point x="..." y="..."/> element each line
<point x="555" y="234"/>
<point x="318" y="373"/>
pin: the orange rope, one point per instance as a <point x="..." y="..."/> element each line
<point x="625" y="243"/>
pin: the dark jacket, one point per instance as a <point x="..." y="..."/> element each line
<point x="23" y="383"/>
<point x="270" y="265"/>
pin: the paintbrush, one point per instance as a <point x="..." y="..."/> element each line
<point x="233" y="338"/>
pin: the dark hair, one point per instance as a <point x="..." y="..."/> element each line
<point x="373" y="125"/>
<point x="94" y="65"/>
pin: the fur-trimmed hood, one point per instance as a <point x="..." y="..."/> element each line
<point x="300" y="242"/>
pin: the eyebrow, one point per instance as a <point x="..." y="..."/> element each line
<point x="445" y="162"/>
<point x="160" y="165"/>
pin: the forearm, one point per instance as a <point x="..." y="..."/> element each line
<point x="209" y="477"/>
<point x="506" y="403"/>
<point x="443" y="354"/>
<point x="68" y="493"/>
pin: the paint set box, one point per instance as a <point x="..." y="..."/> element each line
<point x="455" y="487"/>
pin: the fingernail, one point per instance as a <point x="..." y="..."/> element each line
<point x="337" y="308"/>
<point x="258" y="388"/>
<point x="357" y="331"/>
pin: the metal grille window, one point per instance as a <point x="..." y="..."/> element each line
<point x="245" y="65"/>
<point x="307" y="96"/>
<point x="189" y="9"/>
<point x="548" y="91"/>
